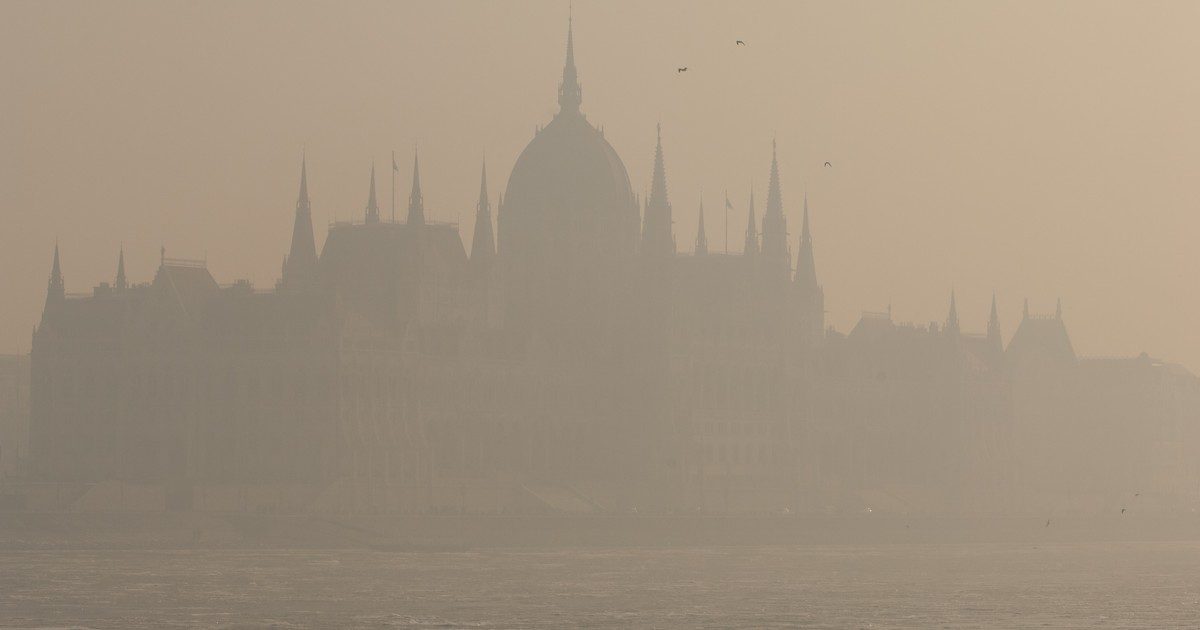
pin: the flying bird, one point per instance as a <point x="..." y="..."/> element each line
<point x="741" y="43"/>
<point x="683" y="69"/>
<point x="827" y="164"/>
<point x="1047" y="522"/>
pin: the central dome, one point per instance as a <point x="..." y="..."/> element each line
<point x="569" y="192"/>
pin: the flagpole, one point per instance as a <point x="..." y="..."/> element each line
<point x="726" y="221"/>
<point x="393" y="186"/>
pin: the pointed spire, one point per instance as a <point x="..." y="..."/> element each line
<point x="774" y="224"/>
<point x="751" y="246"/>
<point x="1058" y="309"/>
<point x="701" y="237"/>
<point x="806" y="267"/>
<point x="657" y="238"/>
<point x="302" y="258"/>
<point x="483" y="245"/>
<point x="1025" y="310"/>
<point x="570" y="94"/>
<point x="56" y="278"/>
<point x="993" y="327"/>
<point x="952" y="318"/>
<point x="121" y="283"/>
<point x="372" y="204"/>
<point x="55" y="291"/>
<point x="416" y="204"/>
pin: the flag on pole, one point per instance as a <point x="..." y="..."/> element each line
<point x="395" y="167"/>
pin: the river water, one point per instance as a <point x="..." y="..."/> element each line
<point x="1117" y="585"/>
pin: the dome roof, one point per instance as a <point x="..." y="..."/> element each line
<point x="570" y="169"/>
<point x="569" y="186"/>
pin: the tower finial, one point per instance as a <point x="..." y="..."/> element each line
<point x="121" y="283"/>
<point x="483" y="243"/>
<point x="372" y="204"/>
<point x="952" y="318"/>
<point x="570" y="94"/>
<point x="416" y="203"/>
<point x="701" y="237"/>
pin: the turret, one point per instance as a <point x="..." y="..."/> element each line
<point x="483" y="245"/>
<point x="993" y="328"/>
<point x="952" y="327"/>
<point x="55" y="289"/>
<point x="372" y="204"/>
<point x="120" y="284"/>
<point x="701" y="237"/>
<point x="416" y="204"/>
<point x="570" y="93"/>
<point x="774" y="224"/>
<point x="301" y="264"/>
<point x="657" y="239"/>
<point x="806" y="267"/>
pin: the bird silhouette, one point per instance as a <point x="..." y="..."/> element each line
<point x="741" y="43"/>
<point x="1122" y="510"/>
<point x="828" y="165"/>
<point x="1047" y="522"/>
<point x="683" y="69"/>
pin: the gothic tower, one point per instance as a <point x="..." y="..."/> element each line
<point x="299" y="270"/>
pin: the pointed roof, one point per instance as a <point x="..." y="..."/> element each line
<point x="121" y="282"/>
<point x="302" y="257"/>
<point x="657" y="237"/>
<point x="372" y="204"/>
<point x="658" y="183"/>
<point x="483" y="244"/>
<point x="774" y="224"/>
<point x="993" y="327"/>
<point x="570" y="94"/>
<point x="806" y="267"/>
<point x="751" y="246"/>
<point x="952" y="317"/>
<point x="774" y="194"/>
<point x="416" y="204"/>
<point x="701" y="237"/>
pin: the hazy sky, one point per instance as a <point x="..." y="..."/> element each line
<point x="1035" y="149"/>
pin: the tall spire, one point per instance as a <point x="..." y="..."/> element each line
<point x="1058" y="309"/>
<point x="55" y="293"/>
<point x="774" y="225"/>
<point x="416" y="204"/>
<point x="806" y="268"/>
<point x="993" y="327"/>
<point x="121" y="283"/>
<point x="656" y="222"/>
<point x="483" y="245"/>
<point x="55" y="289"/>
<point x="302" y="259"/>
<point x="372" y="204"/>
<point x="952" y="318"/>
<point x="570" y="94"/>
<point x="1025" y="310"/>
<point x="701" y="237"/>
<point x="751" y="246"/>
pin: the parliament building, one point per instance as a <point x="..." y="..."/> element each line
<point x="576" y="361"/>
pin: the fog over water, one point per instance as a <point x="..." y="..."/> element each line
<point x="539" y="315"/>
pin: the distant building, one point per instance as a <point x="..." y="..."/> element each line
<point x="576" y="361"/>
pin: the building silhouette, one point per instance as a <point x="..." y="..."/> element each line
<point x="576" y="361"/>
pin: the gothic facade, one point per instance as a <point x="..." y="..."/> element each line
<point x="576" y="361"/>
